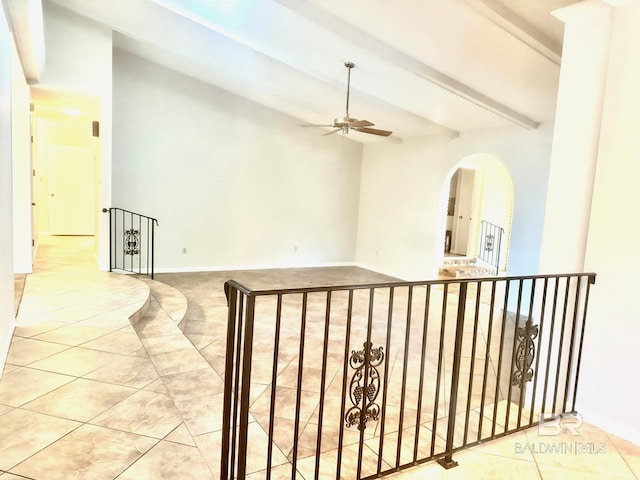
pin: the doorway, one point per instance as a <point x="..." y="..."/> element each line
<point x="70" y="171"/>
<point x="476" y="192"/>
<point x="66" y="174"/>
<point x="462" y="195"/>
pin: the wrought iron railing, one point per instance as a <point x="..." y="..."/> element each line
<point x="490" y="244"/>
<point x="360" y="381"/>
<point x="131" y="241"/>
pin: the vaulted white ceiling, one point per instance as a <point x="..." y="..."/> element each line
<point x="422" y="67"/>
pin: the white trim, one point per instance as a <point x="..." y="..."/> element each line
<point x="622" y="430"/>
<point x="225" y="268"/>
<point x="4" y="352"/>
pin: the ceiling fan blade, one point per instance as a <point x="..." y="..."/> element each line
<point x="362" y="123"/>
<point x="315" y="125"/>
<point x="332" y="132"/>
<point x="374" y="131"/>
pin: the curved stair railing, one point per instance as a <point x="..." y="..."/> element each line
<point x="131" y="241"/>
<point x="368" y="380"/>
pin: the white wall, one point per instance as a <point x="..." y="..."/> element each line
<point x="576" y="136"/>
<point x="7" y="315"/>
<point x="77" y="52"/>
<point x="401" y="189"/>
<point x="22" y="229"/>
<point x="234" y="183"/>
<point x="79" y="60"/>
<point x="608" y="391"/>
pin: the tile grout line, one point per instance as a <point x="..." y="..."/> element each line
<point x="161" y="377"/>
<point x="624" y="458"/>
<point x="73" y="378"/>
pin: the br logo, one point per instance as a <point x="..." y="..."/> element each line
<point x="553" y="424"/>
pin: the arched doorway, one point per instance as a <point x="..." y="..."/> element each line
<point x="477" y="203"/>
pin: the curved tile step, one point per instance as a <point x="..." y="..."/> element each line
<point x="171" y="300"/>
<point x="195" y="389"/>
<point x="142" y="310"/>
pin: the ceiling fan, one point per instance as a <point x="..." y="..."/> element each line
<point x="346" y="123"/>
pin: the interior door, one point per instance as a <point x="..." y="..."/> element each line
<point x="71" y="190"/>
<point x="463" y="211"/>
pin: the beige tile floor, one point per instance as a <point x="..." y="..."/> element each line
<point x="103" y="381"/>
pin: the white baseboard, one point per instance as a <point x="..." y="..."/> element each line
<point x="228" y="268"/>
<point x="622" y="430"/>
<point x="22" y="269"/>
<point x="4" y="351"/>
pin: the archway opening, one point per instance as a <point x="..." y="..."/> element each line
<point x="477" y="208"/>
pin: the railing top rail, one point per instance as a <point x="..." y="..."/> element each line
<point x="129" y="211"/>
<point x="365" y="286"/>
<point x="492" y="224"/>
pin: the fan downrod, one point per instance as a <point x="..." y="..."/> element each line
<point x="349" y="66"/>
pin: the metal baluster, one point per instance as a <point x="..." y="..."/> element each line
<point x="325" y="344"/>
<point x="386" y="378"/>
<point x="571" y="342"/>
<point x="513" y="354"/>
<point x="561" y="341"/>
<point x="551" y="335"/>
<point x="367" y="360"/>
<point x="448" y="462"/>
<point x="440" y="366"/>
<point x="405" y="363"/>
<point x="591" y="281"/>
<point x="347" y="341"/>
<point x="505" y="306"/>
<point x="473" y="358"/>
<point x="540" y="339"/>
<point x="425" y="326"/>
<point x="524" y="371"/>
<point x="274" y="378"/>
<point x="296" y="426"/>
<point x="487" y="358"/>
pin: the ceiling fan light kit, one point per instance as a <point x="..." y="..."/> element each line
<point x="346" y="123"/>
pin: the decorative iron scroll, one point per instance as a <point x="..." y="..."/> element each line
<point x="364" y="406"/>
<point x="488" y="243"/>
<point x="525" y="353"/>
<point x="131" y="242"/>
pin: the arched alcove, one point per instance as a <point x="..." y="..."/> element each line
<point x="476" y="210"/>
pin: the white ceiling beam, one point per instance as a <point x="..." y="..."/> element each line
<point x="212" y="63"/>
<point x="518" y="27"/>
<point x="26" y="23"/>
<point x="428" y="124"/>
<point x="260" y="47"/>
<point x="402" y="60"/>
